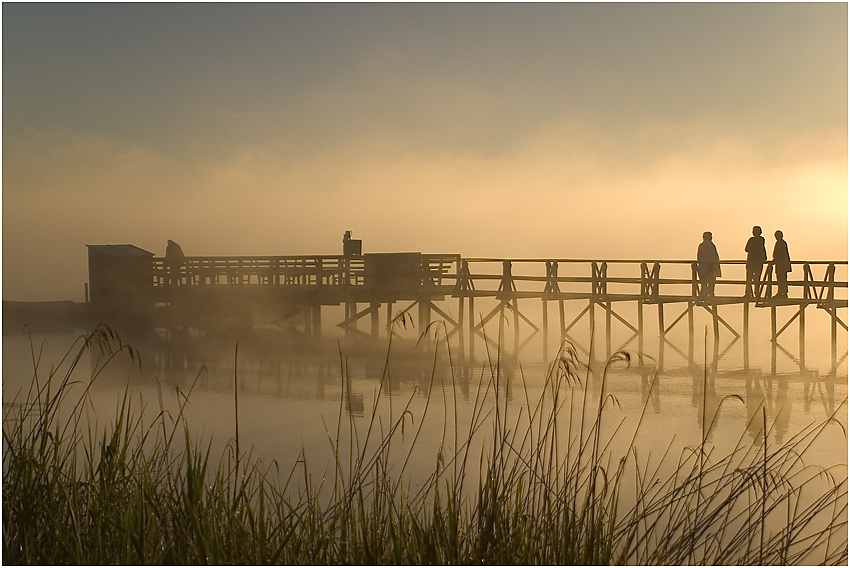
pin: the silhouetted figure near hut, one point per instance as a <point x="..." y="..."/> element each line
<point x="781" y="265"/>
<point x="708" y="265"/>
<point x="351" y="247"/>
<point x="174" y="259"/>
<point x="756" y="257"/>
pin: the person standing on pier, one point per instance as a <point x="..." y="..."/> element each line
<point x="174" y="259"/>
<point x="708" y="265"/>
<point x="781" y="265"/>
<point x="756" y="257"/>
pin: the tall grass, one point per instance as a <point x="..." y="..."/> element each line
<point x="532" y="483"/>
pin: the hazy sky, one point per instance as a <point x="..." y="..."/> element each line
<point x="505" y="130"/>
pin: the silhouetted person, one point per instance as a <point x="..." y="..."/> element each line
<point x="781" y="265"/>
<point x="708" y="265"/>
<point x="351" y="247"/>
<point x="174" y="259"/>
<point x="756" y="257"/>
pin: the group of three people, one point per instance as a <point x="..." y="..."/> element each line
<point x="708" y="264"/>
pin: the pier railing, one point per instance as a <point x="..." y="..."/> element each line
<point x="648" y="280"/>
<point x="612" y="280"/>
<point x="484" y="288"/>
<point x="307" y="271"/>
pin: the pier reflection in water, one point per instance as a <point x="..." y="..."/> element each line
<point x="290" y="396"/>
<point x="290" y="399"/>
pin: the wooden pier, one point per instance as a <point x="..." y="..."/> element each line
<point x="476" y="297"/>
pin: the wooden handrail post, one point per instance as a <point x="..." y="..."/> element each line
<point x="599" y="278"/>
<point x="808" y="282"/>
<point x="650" y="281"/>
<point x="506" y="286"/>
<point x="831" y="282"/>
<point x="551" y="278"/>
<point x="655" y="280"/>
<point x="463" y="283"/>
<point x="694" y="280"/>
<point x="769" y="285"/>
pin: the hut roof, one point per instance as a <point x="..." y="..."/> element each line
<point x="119" y="250"/>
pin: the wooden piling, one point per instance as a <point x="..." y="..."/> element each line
<point x="715" y="321"/>
<point x="773" y="340"/>
<point x="640" y="326"/>
<point x="691" y="334"/>
<point x="350" y="310"/>
<point x="833" y="312"/>
<point x="661" y="337"/>
<point x="545" y="330"/>
<point x="562" y="320"/>
<point x="460" y="334"/>
<point x="516" y="326"/>
<point x="802" y="337"/>
<point x="424" y="314"/>
<point x="472" y="328"/>
<point x="716" y="328"/>
<point x="746" y="336"/>
<point x="592" y="320"/>
<point x="501" y="338"/>
<point x="374" y="317"/>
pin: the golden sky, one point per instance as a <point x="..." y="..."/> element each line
<point x="504" y="130"/>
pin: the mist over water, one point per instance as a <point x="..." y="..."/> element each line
<point x="290" y="391"/>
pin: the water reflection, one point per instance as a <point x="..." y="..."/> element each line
<point x="299" y="375"/>
<point x="682" y="401"/>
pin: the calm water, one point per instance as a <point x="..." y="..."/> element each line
<point x="289" y="399"/>
<point x="301" y="399"/>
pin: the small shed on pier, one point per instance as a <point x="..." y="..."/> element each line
<point x="120" y="276"/>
